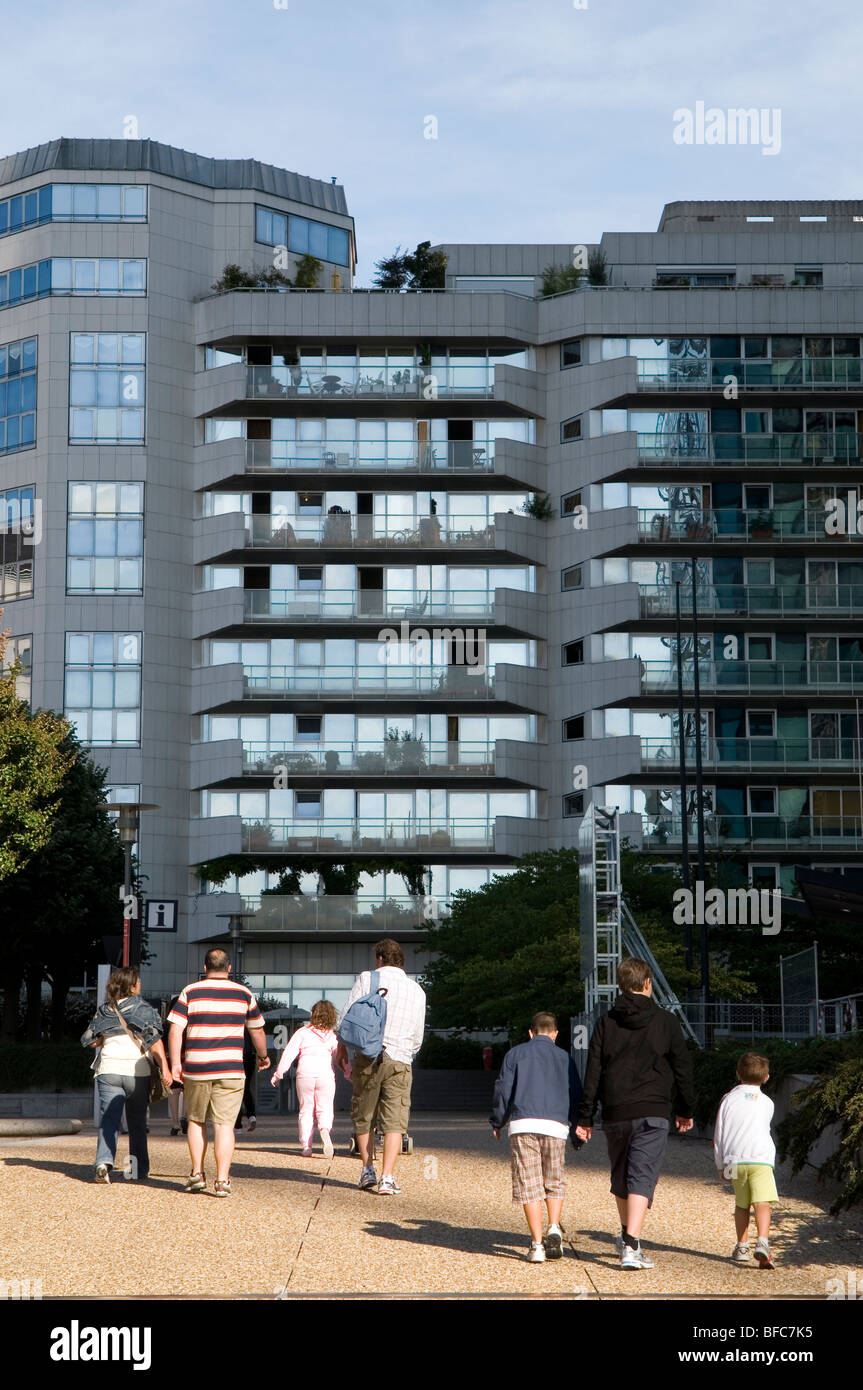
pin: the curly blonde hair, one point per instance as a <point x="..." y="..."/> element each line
<point x="323" y="1014"/>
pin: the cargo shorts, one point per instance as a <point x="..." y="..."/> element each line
<point x="217" y="1100"/>
<point x="382" y="1084"/>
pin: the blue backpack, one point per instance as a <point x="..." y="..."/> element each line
<point x="363" y="1025"/>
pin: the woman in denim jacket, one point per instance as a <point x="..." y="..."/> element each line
<point x="123" y="1072"/>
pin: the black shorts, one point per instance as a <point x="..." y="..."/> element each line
<point x="635" y="1150"/>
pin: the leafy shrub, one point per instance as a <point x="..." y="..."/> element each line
<point x="44" y="1066"/>
<point x="833" y="1099"/>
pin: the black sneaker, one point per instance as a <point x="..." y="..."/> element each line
<point x="102" y="1173"/>
<point x="184" y="1125"/>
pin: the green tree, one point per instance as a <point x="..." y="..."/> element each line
<point x="426" y="268"/>
<point x="57" y="908"/>
<point x="308" y="272"/>
<point x="509" y="949"/>
<point x="391" y="273"/>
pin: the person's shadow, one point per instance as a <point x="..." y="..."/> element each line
<point x="83" y="1172"/>
<point x="470" y="1241"/>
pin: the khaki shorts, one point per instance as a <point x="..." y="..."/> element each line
<point x="384" y="1085"/>
<point x="218" y="1100"/>
<point x="753" y="1182"/>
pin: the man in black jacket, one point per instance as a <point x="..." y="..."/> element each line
<point x="636" y="1062"/>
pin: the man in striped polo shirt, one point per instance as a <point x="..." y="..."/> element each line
<point x="214" y="1012"/>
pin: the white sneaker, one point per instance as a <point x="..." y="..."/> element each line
<point x="741" y="1254"/>
<point x="553" y="1243"/>
<point x="762" y="1253"/>
<point x="327" y="1143"/>
<point x="634" y="1259"/>
<point x="536" y="1253"/>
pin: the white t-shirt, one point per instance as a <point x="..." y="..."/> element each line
<point x="121" y="1056"/>
<point x="554" y="1128"/>
<point x="742" y="1133"/>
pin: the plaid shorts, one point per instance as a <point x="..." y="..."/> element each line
<point x="537" y="1167"/>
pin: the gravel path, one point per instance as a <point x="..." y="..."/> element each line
<point x="301" y="1226"/>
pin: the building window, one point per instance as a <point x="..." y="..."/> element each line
<point x="573" y="653"/>
<point x="19" y="653"/>
<point x="573" y="728"/>
<point x="570" y="429"/>
<point x="18" y="395"/>
<point x="67" y="276"/>
<point x="573" y="804"/>
<point x="570" y="503"/>
<point x="73" y="202"/>
<point x="302" y="236"/>
<point x="572" y="578"/>
<point x="18" y="520"/>
<point x="105" y="538"/>
<point x="570" y="353"/>
<point x="103" y="687"/>
<point x="809" y="274"/>
<point x="107" y="388"/>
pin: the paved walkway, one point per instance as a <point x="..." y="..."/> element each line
<point x="297" y="1226"/>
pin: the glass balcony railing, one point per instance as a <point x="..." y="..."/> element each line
<point x="691" y="446"/>
<point x="344" y="529"/>
<point x="321" y="681"/>
<point x="658" y="600"/>
<point x="282" y="456"/>
<point x="748" y="753"/>
<point x="754" y="676"/>
<point x="275" y="912"/>
<point x="771" y="374"/>
<point x="418" y="833"/>
<point x="734" y="524"/>
<point x="418" y="381"/>
<point x="776" y="832"/>
<point x="392" y="758"/>
<point x="294" y="605"/>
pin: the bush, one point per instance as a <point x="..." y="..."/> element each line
<point x="456" y="1054"/>
<point x="45" y="1066"/>
<point x="715" y="1074"/>
<point x="834" y="1099"/>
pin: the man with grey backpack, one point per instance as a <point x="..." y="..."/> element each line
<point x="382" y="1026"/>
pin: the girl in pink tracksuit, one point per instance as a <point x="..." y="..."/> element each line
<point x="314" y="1047"/>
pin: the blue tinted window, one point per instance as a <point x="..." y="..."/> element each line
<point x="17" y="395"/>
<point x="302" y="235"/>
<point x="83" y="202"/>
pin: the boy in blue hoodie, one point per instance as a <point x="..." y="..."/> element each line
<point x="537" y="1093"/>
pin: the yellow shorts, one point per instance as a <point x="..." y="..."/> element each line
<point x="753" y="1182"/>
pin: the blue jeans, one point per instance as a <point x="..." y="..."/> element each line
<point x="115" y="1092"/>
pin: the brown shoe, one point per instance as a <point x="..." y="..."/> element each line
<point x="195" y="1182"/>
<point x="222" y="1187"/>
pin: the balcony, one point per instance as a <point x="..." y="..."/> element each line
<point x="274" y="913"/>
<point x="793" y="450"/>
<point x="345" y="605"/>
<point x="371" y="532"/>
<point x="754" y="754"/>
<point x="417" y="834"/>
<point x="417" y="381"/>
<point x="755" y="677"/>
<point x="322" y="682"/>
<point x="735" y="524"/>
<point x="759" y="832"/>
<point x="755" y="600"/>
<point x="752" y="374"/>
<point x="285" y="456"/>
<point x="393" y="758"/>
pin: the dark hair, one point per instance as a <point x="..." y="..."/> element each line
<point x="543" y="1023"/>
<point x="753" y="1069"/>
<point x="217" y="959"/>
<point x="121" y="983"/>
<point x="389" y="952"/>
<point x="323" y="1014"/>
<point x="633" y="974"/>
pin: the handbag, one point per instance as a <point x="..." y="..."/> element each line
<point x="157" y="1085"/>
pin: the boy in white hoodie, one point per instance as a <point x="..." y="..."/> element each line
<point x="745" y="1153"/>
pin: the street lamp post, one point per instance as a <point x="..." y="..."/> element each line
<point x="127" y="829"/>
<point x="235" y="926"/>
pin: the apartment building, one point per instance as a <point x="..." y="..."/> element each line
<point x="286" y="577"/>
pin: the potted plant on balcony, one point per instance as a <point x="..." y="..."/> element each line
<point x="761" y="526"/>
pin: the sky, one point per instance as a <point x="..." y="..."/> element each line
<point x="553" y="123"/>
